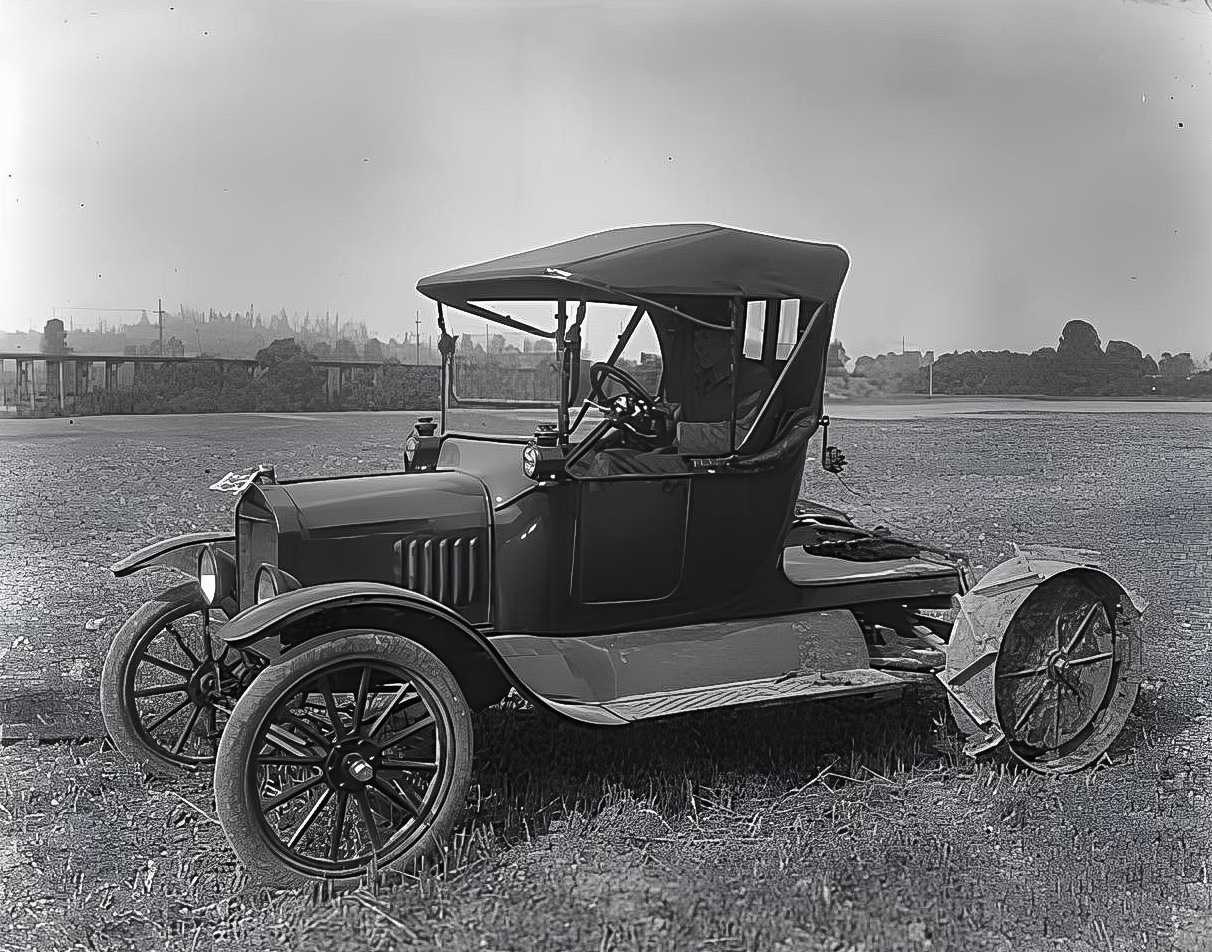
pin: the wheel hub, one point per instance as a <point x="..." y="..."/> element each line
<point x="1058" y="665"/>
<point x="205" y="685"/>
<point x="358" y="768"/>
<point x="351" y="763"/>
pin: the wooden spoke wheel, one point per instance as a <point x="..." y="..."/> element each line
<point x="348" y="759"/>
<point x="1065" y="676"/>
<point x="169" y="682"/>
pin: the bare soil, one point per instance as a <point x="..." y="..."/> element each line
<point x="817" y="826"/>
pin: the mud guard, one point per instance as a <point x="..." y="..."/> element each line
<point x="179" y="552"/>
<point x="259" y="629"/>
<point x="1045" y="660"/>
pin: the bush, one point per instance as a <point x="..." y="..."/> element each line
<point x="289" y="381"/>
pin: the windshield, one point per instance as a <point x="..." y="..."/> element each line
<point x="515" y="373"/>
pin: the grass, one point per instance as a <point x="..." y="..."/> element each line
<point x="828" y="825"/>
<point x="831" y="825"/>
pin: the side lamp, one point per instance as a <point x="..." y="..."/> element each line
<point x="422" y="447"/>
<point x="543" y="456"/>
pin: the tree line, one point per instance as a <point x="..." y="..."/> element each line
<point x="1078" y="366"/>
<point x="286" y="378"/>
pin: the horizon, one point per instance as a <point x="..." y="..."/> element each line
<point x="198" y="154"/>
<point x="512" y="338"/>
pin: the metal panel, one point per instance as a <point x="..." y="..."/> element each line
<point x="473" y="569"/>
<point x="427" y="579"/>
<point x="414" y="565"/>
<point x="609" y="667"/>
<point x="444" y="571"/>
<point x="766" y="691"/>
<point x="446" y="568"/>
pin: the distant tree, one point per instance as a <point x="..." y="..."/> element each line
<point x="373" y="349"/>
<point x="345" y="349"/>
<point x="279" y="350"/>
<point x="1079" y="344"/>
<point x="321" y="349"/>
<point x="836" y="362"/>
<point x="1176" y="365"/>
<point x="1126" y="369"/>
<point x="1123" y="351"/>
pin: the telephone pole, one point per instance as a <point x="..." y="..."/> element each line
<point x="160" y="313"/>
<point x="418" y="315"/>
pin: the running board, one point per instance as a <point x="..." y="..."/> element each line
<point x="619" y="677"/>
<point x="799" y="687"/>
<point x="768" y="691"/>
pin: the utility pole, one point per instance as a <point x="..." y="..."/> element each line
<point x="160" y="312"/>
<point x="418" y="315"/>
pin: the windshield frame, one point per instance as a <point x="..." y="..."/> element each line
<point x="566" y="338"/>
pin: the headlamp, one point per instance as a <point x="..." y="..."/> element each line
<point x="216" y="574"/>
<point x="270" y="582"/>
<point x="208" y="575"/>
<point x="266" y="586"/>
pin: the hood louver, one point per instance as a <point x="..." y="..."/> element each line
<point x="445" y="568"/>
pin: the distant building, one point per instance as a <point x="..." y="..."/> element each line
<point x="835" y="364"/>
<point x="54" y="337"/>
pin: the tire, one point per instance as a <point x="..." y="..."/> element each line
<point x="326" y="745"/>
<point x="135" y="691"/>
<point x="1066" y="676"/>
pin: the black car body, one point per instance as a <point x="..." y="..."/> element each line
<point x="612" y="576"/>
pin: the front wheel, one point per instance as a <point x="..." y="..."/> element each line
<point x="346" y="760"/>
<point x="168" y="683"/>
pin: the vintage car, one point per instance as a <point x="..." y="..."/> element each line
<point x="644" y="554"/>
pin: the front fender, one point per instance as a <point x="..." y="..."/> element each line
<point x="267" y="620"/>
<point x="179" y="552"/>
<point x="260" y="630"/>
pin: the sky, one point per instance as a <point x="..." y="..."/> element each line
<point x="994" y="170"/>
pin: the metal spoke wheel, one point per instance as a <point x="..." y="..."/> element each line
<point x="169" y="682"/>
<point x="350" y="758"/>
<point x="1065" y="677"/>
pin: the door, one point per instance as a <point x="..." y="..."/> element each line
<point x="630" y="539"/>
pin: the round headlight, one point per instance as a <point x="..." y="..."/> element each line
<point x="530" y="460"/>
<point x="208" y="575"/>
<point x="410" y="449"/>
<point x="266" y="586"/>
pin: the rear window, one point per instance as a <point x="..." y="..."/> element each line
<point x="755" y="329"/>
<point x="789" y="328"/>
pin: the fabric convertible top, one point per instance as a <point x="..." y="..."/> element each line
<point x="650" y="261"/>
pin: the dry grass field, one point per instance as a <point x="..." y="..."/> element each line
<point x="819" y="826"/>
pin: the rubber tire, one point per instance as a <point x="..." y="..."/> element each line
<point x="241" y="822"/>
<point x="119" y="721"/>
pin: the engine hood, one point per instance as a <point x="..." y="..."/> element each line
<point x="428" y="532"/>
<point x="353" y="506"/>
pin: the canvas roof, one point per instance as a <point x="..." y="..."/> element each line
<point x="651" y="261"/>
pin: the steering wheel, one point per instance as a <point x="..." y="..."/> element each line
<point x="634" y="411"/>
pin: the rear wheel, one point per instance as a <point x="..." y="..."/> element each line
<point x="169" y="682"/>
<point x="1066" y="676"/>
<point x="348" y="759"/>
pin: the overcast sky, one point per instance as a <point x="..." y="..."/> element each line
<point x="993" y="169"/>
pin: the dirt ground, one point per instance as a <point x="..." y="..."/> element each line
<point x="827" y="826"/>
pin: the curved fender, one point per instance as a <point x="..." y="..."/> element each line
<point x="983" y="615"/>
<point x="179" y="552"/>
<point x="259" y="628"/>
